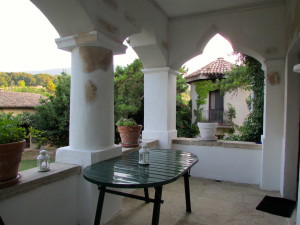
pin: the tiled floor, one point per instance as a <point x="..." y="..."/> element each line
<point x="213" y="203"/>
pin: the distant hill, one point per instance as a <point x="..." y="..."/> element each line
<point x="56" y="71"/>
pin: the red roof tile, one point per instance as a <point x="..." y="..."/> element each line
<point x="19" y="99"/>
<point x="217" y="67"/>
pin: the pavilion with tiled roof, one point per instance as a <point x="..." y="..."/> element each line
<point x="18" y="102"/>
<point x="213" y="70"/>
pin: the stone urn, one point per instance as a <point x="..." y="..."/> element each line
<point x="207" y="131"/>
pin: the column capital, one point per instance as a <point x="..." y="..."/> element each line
<point x="272" y="63"/>
<point x="91" y="38"/>
<point x="160" y="70"/>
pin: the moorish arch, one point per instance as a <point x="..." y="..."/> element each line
<point x="200" y="43"/>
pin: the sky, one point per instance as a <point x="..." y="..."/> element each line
<point x="27" y="42"/>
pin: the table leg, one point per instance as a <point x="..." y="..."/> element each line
<point x="156" y="207"/>
<point x="99" y="205"/>
<point x="187" y="191"/>
<point x="146" y="192"/>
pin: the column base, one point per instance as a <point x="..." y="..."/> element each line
<point x="85" y="157"/>
<point x="271" y="164"/>
<point x="164" y="137"/>
<point x="87" y="192"/>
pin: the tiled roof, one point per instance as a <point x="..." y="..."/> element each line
<point x="217" y="67"/>
<point x="19" y="99"/>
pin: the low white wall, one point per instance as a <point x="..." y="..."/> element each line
<point x="227" y="164"/>
<point x="54" y="203"/>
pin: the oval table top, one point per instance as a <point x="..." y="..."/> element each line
<point x="125" y="172"/>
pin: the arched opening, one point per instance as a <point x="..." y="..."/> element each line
<point x="228" y="107"/>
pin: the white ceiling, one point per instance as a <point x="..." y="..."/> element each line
<point x="186" y="8"/>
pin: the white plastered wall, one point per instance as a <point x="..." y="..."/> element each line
<point x="54" y="203"/>
<point x="227" y="164"/>
<point x="238" y="101"/>
<point x="257" y="32"/>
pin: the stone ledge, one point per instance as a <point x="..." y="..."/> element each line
<point x="218" y="143"/>
<point x="32" y="179"/>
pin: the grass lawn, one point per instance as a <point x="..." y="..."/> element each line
<point x="29" y="158"/>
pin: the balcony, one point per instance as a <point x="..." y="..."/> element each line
<point x="217" y="116"/>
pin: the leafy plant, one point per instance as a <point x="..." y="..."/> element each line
<point x="129" y="91"/>
<point x="184" y="125"/>
<point x="231" y="112"/>
<point x="250" y="76"/>
<point x="52" y="116"/>
<point x="10" y="130"/>
<point x="126" y="122"/>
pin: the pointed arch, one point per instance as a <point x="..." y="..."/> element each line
<point x="150" y="47"/>
<point x="206" y="37"/>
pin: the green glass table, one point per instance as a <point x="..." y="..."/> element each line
<point x="124" y="171"/>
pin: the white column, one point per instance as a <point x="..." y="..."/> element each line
<point x="160" y="105"/>
<point x="291" y="129"/>
<point x="91" y="116"/>
<point x="273" y="124"/>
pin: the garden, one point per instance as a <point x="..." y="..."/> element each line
<point x="49" y="126"/>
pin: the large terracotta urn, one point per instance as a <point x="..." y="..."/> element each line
<point x="10" y="158"/>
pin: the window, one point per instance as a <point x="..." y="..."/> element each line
<point x="216" y="106"/>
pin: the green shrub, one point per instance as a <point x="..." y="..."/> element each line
<point x="52" y="116"/>
<point x="126" y="122"/>
<point x="10" y="130"/>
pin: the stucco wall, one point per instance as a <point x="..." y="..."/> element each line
<point x="257" y="32"/>
<point x="238" y="101"/>
<point x="54" y="203"/>
<point x="17" y="111"/>
<point x="293" y="21"/>
<point x="227" y="164"/>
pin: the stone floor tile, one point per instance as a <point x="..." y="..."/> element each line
<point x="213" y="203"/>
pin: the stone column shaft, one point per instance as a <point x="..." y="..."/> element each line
<point x="273" y="124"/>
<point x="92" y="109"/>
<point x="160" y="105"/>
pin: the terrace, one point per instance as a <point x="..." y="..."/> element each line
<point x="224" y="189"/>
<point x="165" y="34"/>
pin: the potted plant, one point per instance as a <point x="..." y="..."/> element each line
<point x="12" y="144"/>
<point x="207" y="129"/>
<point x="129" y="132"/>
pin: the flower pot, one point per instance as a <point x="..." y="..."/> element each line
<point x="10" y="158"/>
<point x="207" y="131"/>
<point x="130" y="135"/>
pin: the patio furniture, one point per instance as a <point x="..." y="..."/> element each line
<point x="124" y="171"/>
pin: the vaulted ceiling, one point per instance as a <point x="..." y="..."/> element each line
<point x="179" y="9"/>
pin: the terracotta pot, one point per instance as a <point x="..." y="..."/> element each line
<point x="130" y="136"/>
<point x="10" y="158"/>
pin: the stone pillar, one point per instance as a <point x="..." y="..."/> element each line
<point x="272" y="138"/>
<point x="291" y="128"/>
<point x="91" y="116"/>
<point x="160" y="105"/>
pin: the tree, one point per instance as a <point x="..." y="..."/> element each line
<point x="184" y="125"/>
<point x="52" y="116"/>
<point x="21" y="83"/>
<point x="249" y="76"/>
<point x="50" y="87"/>
<point x="129" y="91"/>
